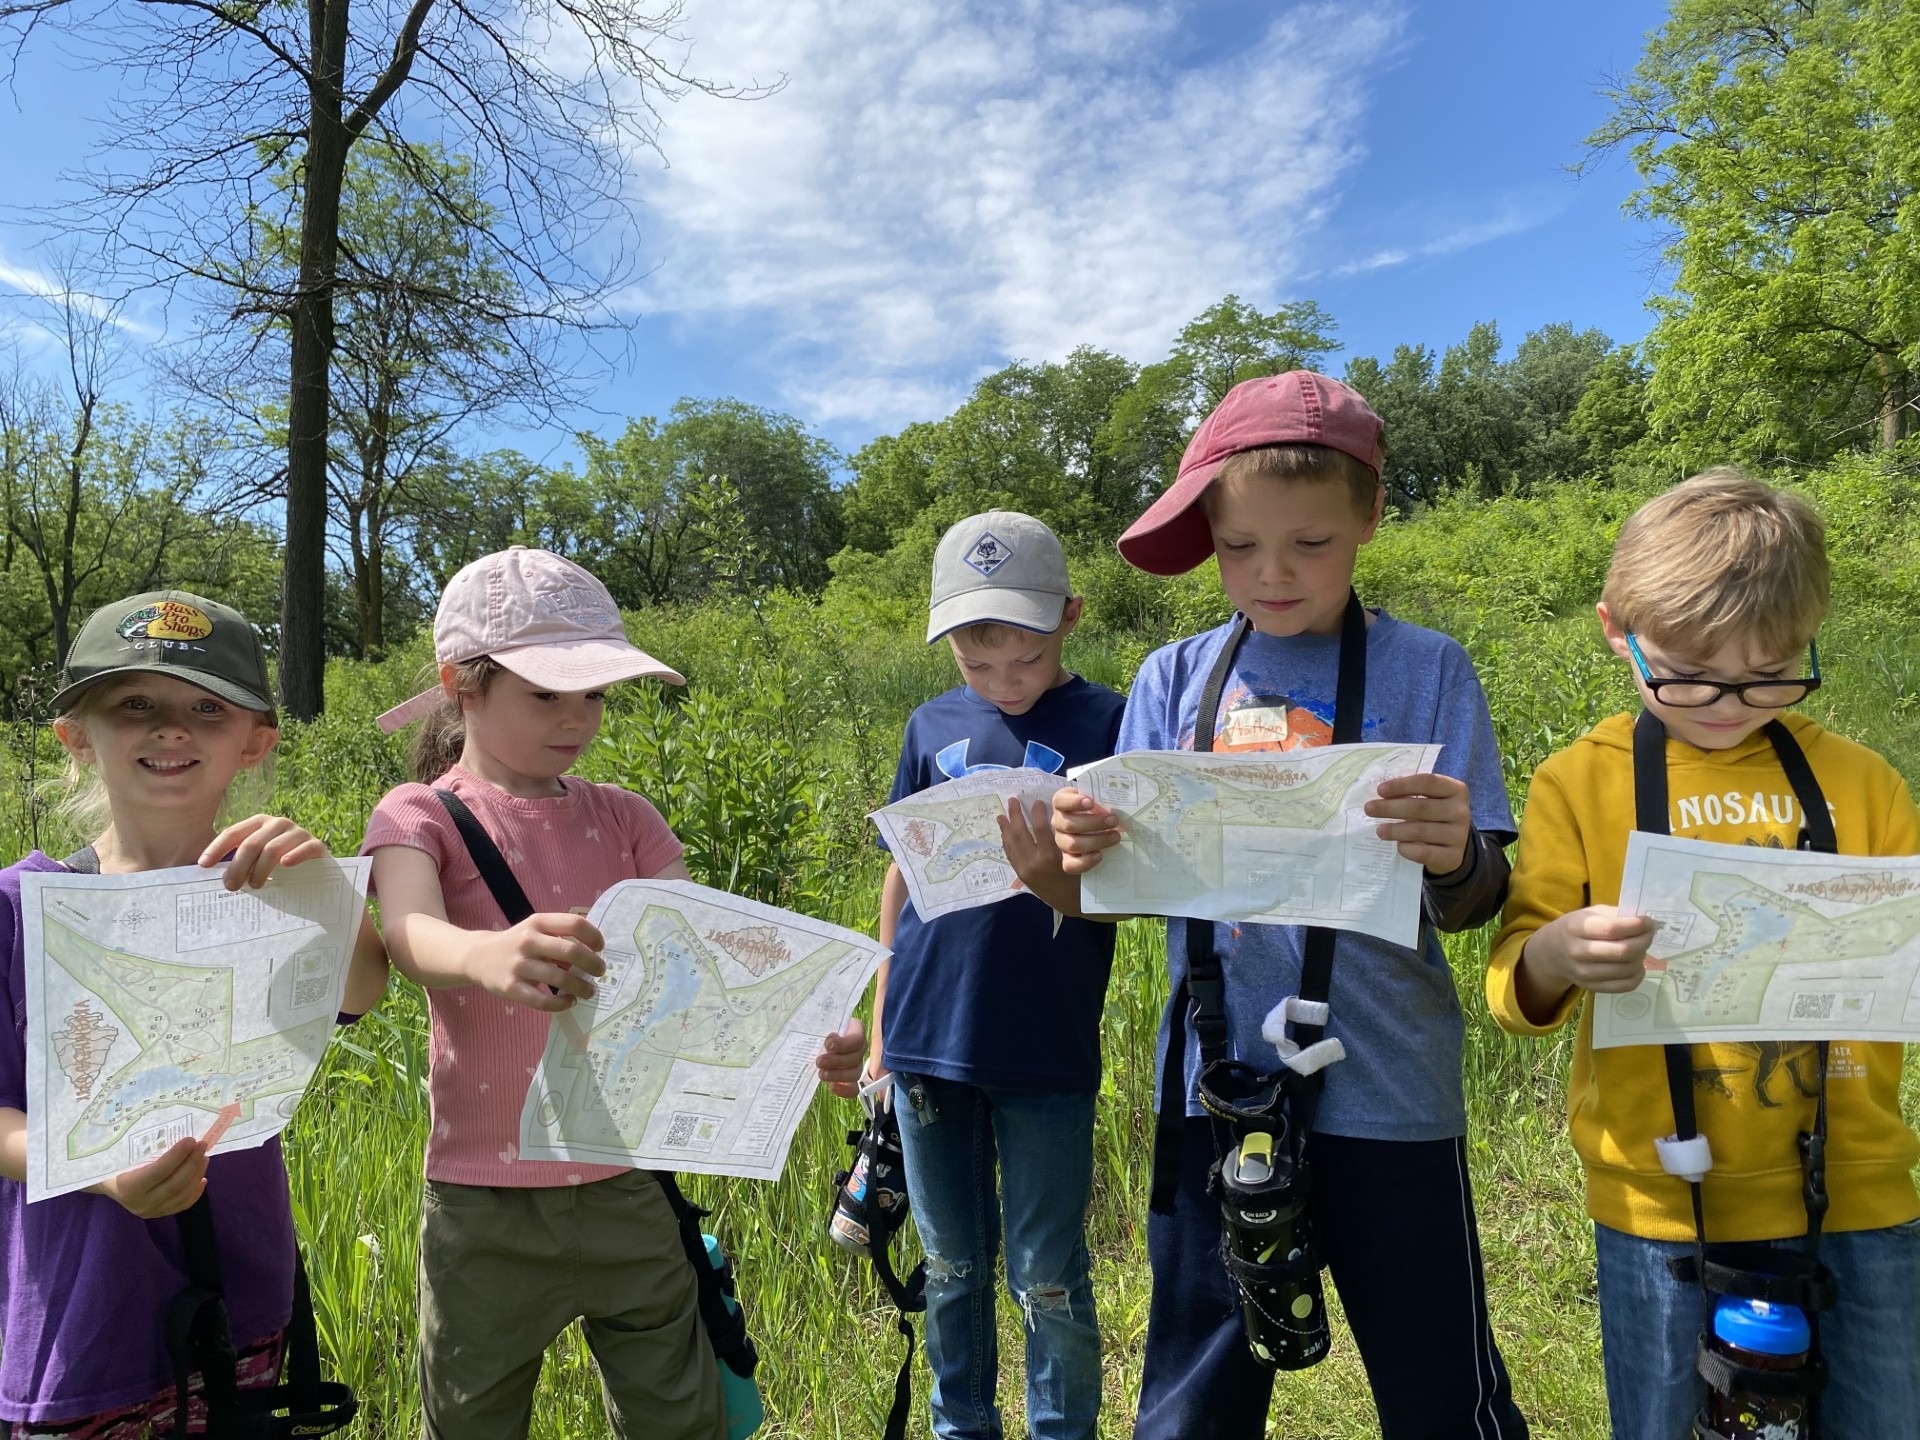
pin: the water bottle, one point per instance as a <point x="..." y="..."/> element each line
<point x="745" y="1413"/>
<point x="1763" y="1336"/>
<point x="870" y="1198"/>
<point x="1264" y="1198"/>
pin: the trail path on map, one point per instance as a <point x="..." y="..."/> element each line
<point x="158" y="1002"/>
<point x="1277" y="838"/>
<point x="1768" y="945"/>
<point x="697" y="1052"/>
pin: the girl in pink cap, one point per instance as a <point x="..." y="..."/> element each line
<point x="511" y="1250"/>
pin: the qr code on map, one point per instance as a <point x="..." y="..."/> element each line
<point x="1813" y="1005"/>
<point x="686" y="1131"/>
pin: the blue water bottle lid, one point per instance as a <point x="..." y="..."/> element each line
<point x="1761" y="1327"/>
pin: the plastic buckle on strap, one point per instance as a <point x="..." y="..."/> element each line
<point x="1302" y="1060"/>
<point x="1690" y="1160"/>
<point x="1813" y="1168"/>
<point x="1207" y="1011"/>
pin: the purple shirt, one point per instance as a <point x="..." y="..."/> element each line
<point x="84" y="1295"/>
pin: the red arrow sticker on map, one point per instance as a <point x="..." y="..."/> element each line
<point x="217" y="1131"/>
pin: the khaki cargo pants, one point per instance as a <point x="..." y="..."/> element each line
<point x="504" y="1270"/>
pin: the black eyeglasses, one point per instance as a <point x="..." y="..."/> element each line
<point x="1760" y="694"/>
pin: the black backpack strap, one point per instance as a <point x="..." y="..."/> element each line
<point x="1316" y="965"/>
<point x="726" y="1325"/>
<point x="1200" y="998"/>
<point x="200" y="1341"/>
<point x="198" y="1335"/>
<point x="84" y="861"/>
<point x="1816" y="820"/>
<point x="1808" y="1284"/>
<point x="488" y="860"/>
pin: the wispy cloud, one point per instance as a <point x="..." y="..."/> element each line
<point x="1511" y="218"/>
<point x="943" y="186"/>
<point x="57" y="291"/>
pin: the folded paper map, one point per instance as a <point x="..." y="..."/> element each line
<point x="162" y="1005"/>
<point x="1275" y="837"/>
<point x="1767" y="945"/>
<point x="946" y="838"/>
<point x="697" y="1051"/>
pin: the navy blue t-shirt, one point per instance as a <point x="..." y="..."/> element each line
<point x="991" y="996"/>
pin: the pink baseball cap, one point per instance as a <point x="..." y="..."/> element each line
<point x="1300" y="407"/>
<point x="542" y="617"/>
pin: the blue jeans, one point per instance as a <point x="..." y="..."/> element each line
<point x="951" y="1135"/>
<point x="1649" y="1323"/>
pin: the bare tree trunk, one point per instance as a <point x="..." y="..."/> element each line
<point x="1896" y="401"/>
<point x="303" y="583"/>
<point x="373" y="629"/>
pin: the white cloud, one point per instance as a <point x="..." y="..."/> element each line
<point x="1511" y="218"/>
<point x="941" y="187"/>
<point x="58" y="292"/>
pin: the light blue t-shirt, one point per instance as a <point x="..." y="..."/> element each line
<point x="1394" y="1008"/>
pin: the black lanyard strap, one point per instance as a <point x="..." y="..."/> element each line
<point x="1200" y="998"/>
<point x="1778" y="1277"/>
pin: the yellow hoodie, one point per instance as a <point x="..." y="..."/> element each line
<point x="1752" y="1099"/>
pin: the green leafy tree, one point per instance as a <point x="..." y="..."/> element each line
<point x="1776" y="139"/>
<point x="1549" y="375"/>
<point x="96" y="503"/>
<point x="778" y="477"/>
<point x="1611" y="421"/>
<point x="1232" y="341"/>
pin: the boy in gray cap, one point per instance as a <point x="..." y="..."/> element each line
<point x="982" y="1081"/>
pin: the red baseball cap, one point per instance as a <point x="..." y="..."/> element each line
<point x="1300" y="407"/>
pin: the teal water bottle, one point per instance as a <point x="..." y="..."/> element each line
<point x="745" y="1413"/>
<point x="1761" y="1336"/>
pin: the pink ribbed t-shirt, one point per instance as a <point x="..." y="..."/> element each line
<point x="564" y="850"/>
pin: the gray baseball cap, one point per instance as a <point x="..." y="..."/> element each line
<point x="1003" y="567"/>
<point x="169" y="632"/>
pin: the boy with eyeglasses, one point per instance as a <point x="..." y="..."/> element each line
<point x="1713" y="598"/>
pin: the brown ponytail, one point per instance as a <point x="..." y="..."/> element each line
<point x="443" y="733"/>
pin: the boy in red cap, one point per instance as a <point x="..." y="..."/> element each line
<point x="1282" y="483"/>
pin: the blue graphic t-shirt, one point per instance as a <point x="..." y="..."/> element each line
<point x="991" y="996"/>
<point x="1394" y="1009"/>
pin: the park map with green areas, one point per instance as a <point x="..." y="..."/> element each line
<point x="696" y="1052"/>
<point x="1272" y="837"/>
<point x="1759" y="944"/>
<point x="164" y="1005"/>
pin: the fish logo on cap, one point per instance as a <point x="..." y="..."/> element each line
<point x="989" y="553"/>
<point x="169" y="620"/>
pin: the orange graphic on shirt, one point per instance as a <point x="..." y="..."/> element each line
<point x="1271" y="722"/>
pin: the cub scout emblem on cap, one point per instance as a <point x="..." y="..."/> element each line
<point x="989" y="553"/>
<point x="169" y="620"/>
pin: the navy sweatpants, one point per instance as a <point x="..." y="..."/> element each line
<point x="1395" y="1221"/>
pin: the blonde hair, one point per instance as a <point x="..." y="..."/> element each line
<point x="1720" y="556"/>
<point x="1305" y="462"/>
<point x="79" y="802"/>
<point x="990" y="634"/>
<point x="443" y="734"/>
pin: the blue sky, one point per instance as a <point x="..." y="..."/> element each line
<point x="941" y="188"/>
